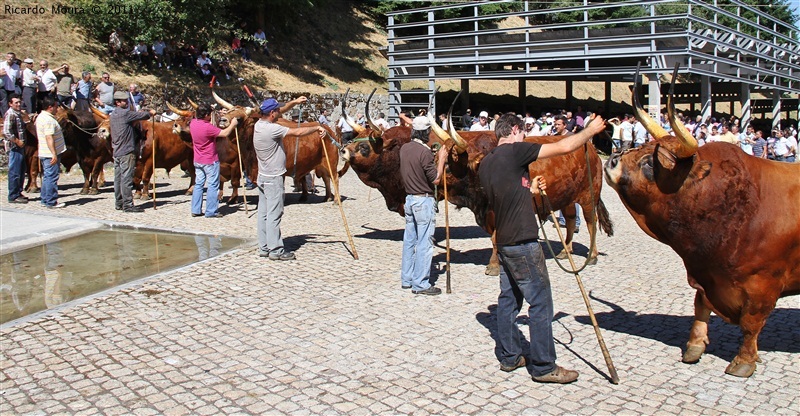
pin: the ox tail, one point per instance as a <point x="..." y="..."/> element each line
<point x="605" y="221"/>
<point x="344" y="169"/>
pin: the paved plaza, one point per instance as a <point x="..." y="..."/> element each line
<point x="327" y="334"/>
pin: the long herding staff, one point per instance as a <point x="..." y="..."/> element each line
<point x="241" y="171"/>
<point x="153" y="130"/>
<point x="446" y="231"/>
<point x="611" y="369"/>
<point x="335" y="181"/>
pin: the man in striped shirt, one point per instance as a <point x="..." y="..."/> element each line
<point x="14" y="138"/>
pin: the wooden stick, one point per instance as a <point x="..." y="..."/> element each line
<point x="241" y="171"/>
<point x="446" y="231"/>
<point x="610" y="364"/>
<point x="335" y="177"/>
<point x="153" y="130"/>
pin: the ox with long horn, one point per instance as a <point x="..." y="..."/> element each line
<point x="359" y="129"/>
<point x="460" y="143"/>
<point x="688" y="143"/>
<point x="178" y="111"/>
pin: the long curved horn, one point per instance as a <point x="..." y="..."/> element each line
<point x="688" y="143"/>
<point x="371" y="123"/>
<point x="649" y="124"/>
<point x="461" y="144"/>
<point x="438" y="130"/>
<point x="178" y="111"/>
<point x="221" y="102"/>
<point x="99" y="113"/>
<point x="191" y="103"/>
<point x="349" y="120"/>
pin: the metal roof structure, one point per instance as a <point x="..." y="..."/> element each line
<point x="732" y="44"/>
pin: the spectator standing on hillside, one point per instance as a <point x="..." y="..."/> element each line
<point x="206" y="160"/>
<point x="261" y="40"/>
<point x="14" y="138"/>
<point x="268" y="144"/>
<point x="51" y="146"/>
<point x="9" y="74"/>
<point x="115" y="43"/>
<point x="126" y="149"/>
<point x="105" y="94"/>
<point x="47" y="81"/>
<point x="83" y="91"/>
<point x="65" y="86"/>
<point x="29" y="84"/>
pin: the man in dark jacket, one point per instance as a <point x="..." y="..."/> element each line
<point x="125" y="143"/>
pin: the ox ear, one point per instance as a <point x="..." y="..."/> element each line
<point x="701" y="170"/>
<point x="665" y="157"/>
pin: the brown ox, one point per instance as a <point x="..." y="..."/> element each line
<point x="309" y="151"/>
<point x="376" y="161"/>
<point x="82" y="148"/>
<point x="732" y="218"/>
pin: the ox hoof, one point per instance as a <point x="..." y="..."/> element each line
<point x="739" y="369"/>
<point x="145" y="197"/>
<point x="492" y="270"/>
<point x="84" y="191"/>
<point x="231" y="202"/>
<point x="93" y="192"/>
<point x="562" y="255"/>
<point x="592" y="261"/>
<point x="693" y="354"/>
<point x="137" y="196"/>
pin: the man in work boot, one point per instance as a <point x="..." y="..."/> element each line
<point x="125" y="144"/>
<point x="505" y="178"/>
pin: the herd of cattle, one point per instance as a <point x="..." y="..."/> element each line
<point x="732" y="218"/>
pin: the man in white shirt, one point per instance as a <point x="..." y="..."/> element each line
<point x="347" y="132"/>
<point x="482" y="124"/>
<point x="381" y="122"/>
<point x="9" y="73"/>
<point x="47" y="80"/>
<point x="640" y="135"/>
<point x="158" y="52"/>
<point x="29" y="84"/>
<point x="626" y="128"/>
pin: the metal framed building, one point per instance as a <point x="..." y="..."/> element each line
<point x="732" y="49"/>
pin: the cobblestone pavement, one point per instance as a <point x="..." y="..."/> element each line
<point x="328" y="334"/>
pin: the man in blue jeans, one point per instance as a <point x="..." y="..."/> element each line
<point x="419" y="174"/>
<point x="14" y="138"/>
<point x="268" y="138"/>
<point x="206" y="160"/>
<point x="505" y="178"/>
<point x="51" y="146"/>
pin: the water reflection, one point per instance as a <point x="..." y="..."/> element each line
<point x="42" y="277"/>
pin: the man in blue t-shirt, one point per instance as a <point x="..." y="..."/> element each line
<point x="506" y="181"/>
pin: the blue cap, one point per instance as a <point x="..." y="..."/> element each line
<point x="270" y="104"/>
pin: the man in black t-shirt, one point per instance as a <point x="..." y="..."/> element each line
<point x="506" y="181"/>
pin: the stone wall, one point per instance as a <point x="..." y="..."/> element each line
<point x="311" y="110"/>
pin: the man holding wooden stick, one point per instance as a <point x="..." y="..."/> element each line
<point x="506" y="180"/>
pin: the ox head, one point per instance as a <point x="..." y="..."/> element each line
<point x="649" y="178"/>
<point x="104" y="130"/>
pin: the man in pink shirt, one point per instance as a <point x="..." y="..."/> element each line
<point x="206" y="160"/>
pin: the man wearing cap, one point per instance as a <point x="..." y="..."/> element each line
<point x="29" y="84"/>
<point x="268" y="144"/>
<point x="125" y="144"/>
<point x="419" y="173"/>
<point x="482" y="124"/>
<point x="206" y="160"/>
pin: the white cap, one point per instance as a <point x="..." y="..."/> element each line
<point x="420" y="123"/>
<point x="483" y="114"/>
<point x="529" y="120"/>
<point x="549" y="120"/>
